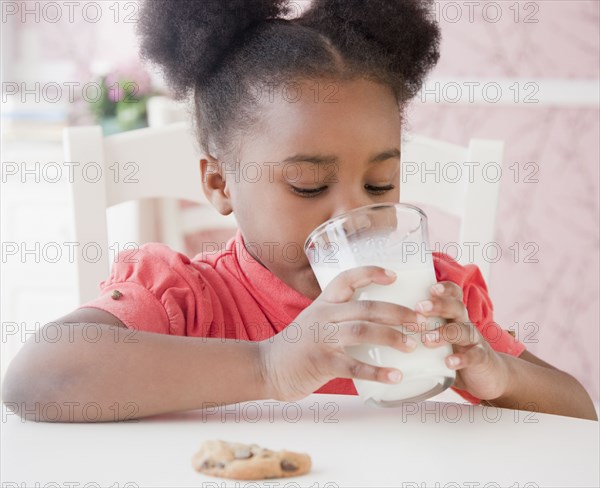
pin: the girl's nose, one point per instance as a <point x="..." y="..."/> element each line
<point x="350" y="202"/>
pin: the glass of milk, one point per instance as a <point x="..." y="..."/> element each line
<point x="393" y="236"/>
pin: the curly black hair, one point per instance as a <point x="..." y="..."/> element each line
<point x="225" y="52"/>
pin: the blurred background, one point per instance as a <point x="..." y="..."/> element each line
<point x="523" y="72"/>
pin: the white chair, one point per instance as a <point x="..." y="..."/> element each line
<point x="463" y="182"/>
<point x="145" y="163"/>
<point x="163" y="162"/>
<point x="173" y="221"/>
<point x="434" y="173"/>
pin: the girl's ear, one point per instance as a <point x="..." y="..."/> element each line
<point x="214" y="184"/>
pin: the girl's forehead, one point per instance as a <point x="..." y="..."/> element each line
<point x="320" y="95"/>
<point x="349" y="111"/>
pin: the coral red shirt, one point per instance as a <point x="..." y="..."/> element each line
<point x="228" y="294"/>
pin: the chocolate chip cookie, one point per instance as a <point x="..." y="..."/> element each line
<point x="248" y="461"/>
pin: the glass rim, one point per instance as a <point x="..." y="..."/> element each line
<point x="372" y="206"/>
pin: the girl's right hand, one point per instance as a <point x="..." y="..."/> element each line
<point x="310" y="351"/>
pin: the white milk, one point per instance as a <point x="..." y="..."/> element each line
<point x="424" y="371"/>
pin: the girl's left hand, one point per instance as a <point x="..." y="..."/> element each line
<point x="479" y="369"/>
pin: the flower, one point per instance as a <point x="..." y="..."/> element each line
<point x="124" y="94"/>
<point x="129" y="80"/>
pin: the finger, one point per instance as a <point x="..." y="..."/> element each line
<point x="348" y="367"/>
<point x="385" y="313"/>
<point x="443" y="306"/>
<point x="447" y="288"/>
<point x="460" y="334"/>
<point x="357" y="332"/>
<point x="342" y="287"/>
<point x="461" y="360"/>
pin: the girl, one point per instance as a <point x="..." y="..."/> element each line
<point x="316" y="104"/>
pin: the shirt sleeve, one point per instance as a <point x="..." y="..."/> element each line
<point x="479" y="306"/>
<point x="154" y="289"/>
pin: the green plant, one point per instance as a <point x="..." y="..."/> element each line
<point x="123" y="98"/>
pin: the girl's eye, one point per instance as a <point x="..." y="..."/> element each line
<point x="313" y="192"/>
<point x="308" y="192"/>
<point x="379" y="190"/>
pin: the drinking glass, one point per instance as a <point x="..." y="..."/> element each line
<point x="393" y="236"/>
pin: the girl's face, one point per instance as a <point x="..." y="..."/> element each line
<point x="327" y="149"/>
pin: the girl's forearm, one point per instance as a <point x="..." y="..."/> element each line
<point x="128" y="374"/>
<point x="545" y="390"/>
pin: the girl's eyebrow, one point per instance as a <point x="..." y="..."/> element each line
<point x="389" y="154"/>
<point x="327" y="159"/>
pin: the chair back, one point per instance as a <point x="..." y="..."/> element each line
<point x="163" y="162"/>
<point x="461" y="181"/>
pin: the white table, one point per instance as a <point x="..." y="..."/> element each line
<point x="451" y="444"/>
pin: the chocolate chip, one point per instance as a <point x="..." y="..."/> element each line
<point x="288" y="465"/>
<point x="209" y="464"/>
<point x="116" y="294"/>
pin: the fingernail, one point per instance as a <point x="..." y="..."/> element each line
<point x="410" y="342"/>
<point x="432" y="336"/>
<point x="438" y="288"/>
<point x="395" y="376"/>
<point x="425" y="306"/>
<point x="390" y="273"/>
<point x="453" y="361"/>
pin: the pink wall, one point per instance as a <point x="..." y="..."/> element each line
<point x="560" y="213"/>
<point x="563" y="43"/>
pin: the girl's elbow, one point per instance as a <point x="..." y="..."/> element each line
<point x="34" y="394"/>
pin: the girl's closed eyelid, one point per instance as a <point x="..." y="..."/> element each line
<point x="313" y="192"/>
<point x="308" y="192"/>
<point x="379" y="189"/>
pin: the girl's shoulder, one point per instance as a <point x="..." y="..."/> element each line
<point x="157" y="266"/>
<point x="158" y="289"/>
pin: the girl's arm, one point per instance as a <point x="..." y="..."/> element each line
<point x="88" y="365"/>
<point x="538" y="386"/>
<point x="499" y="379"/>
<point x="73" y="371"/>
